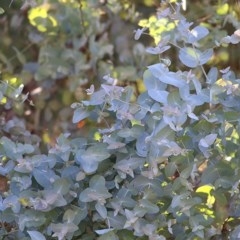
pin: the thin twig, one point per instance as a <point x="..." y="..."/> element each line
<point x="23" y="51"/>
<point x="81" y="18"/>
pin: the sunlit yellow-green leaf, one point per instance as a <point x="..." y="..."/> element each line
<point x="97" y="136"/>
<point x="207" y="190"/>
<point x="205" y="211"/>
<point x="135" y="122"/>
<point x="143" y="23"/>
<point x="37" y="12"/>
<point x="41" y="19"/>
<point x="46" y="137"/>
<point x="170" y="26"/>
<point x="149" y="3"/>
<point x="156" y="27"/>
<point x="4" y="159"/>
<point x="3" y="100"/>
<point x="140" y="85"/>
<point x="13" y="80"/>
<point x="24" y="201"/>
<point x="223" y="9"/>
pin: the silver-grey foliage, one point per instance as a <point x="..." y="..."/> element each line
<point x="166" y="168"/>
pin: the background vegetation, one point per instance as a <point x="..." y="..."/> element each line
<point x="148" y="148"/>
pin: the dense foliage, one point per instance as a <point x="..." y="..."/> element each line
<point x="159" y="161"/>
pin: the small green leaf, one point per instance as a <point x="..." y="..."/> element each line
<point x="170" y="169"/>
<point x="2" y="11"/>
<point x="20" y="56"/>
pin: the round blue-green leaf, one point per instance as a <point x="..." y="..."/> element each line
<point x="117" y="222"/>
<point x="96" y="153"/>
<point x="35" y="235"/>
<point x="88" y="195"/>
<point x="151" y="82"/>
<point x="62" y="186"/>
<point x="235" y="234"/>
<point x="25" y="148"/>
<point x="5" y="169"/>
<point x="148" y="206"/>
<point x="108" y="234"/>
<point x="90" y="158"/>
<point x="44" y="177"/>
<point x="101" y="209"/>
<point x="212" y="75"/>
<point x="89" y="166"/>
<point x="158" y="95"/>
<point x="12" y="201"/>
<point x="208" y="140"/>
<point x="161" y="72"/>
<point x="98" y="182"/>
<point x="79" y="114"/>
<point x="197" y="33"/>
<point x="142" y="146"/>
<point x="193" y="57"/>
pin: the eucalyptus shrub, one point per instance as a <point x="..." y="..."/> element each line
<point x="164" y="167"/>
